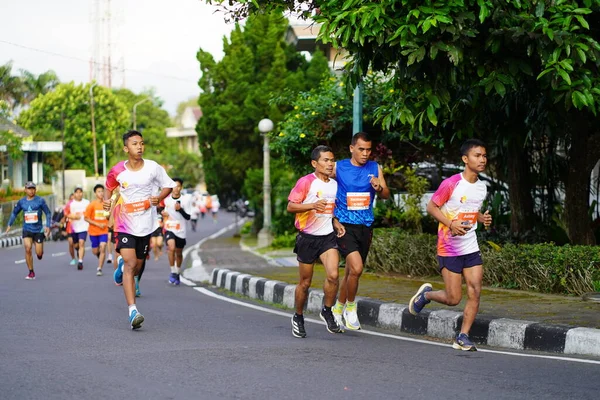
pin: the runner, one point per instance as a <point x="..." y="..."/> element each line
<point x="175" y="214"/>
<point x="98" y="226"/>
<point x="66" y="222"/>
<point x="359" y="180"/>
<point x="33" y="229"/>
<point x="157" y="238"/>
<point x="215" y="205"/>
<point x="456" y="206"/>
<point x="312" y="200"/>
<point x="79" y="225"/>
<point x="134" y="213"/>
<point x="195" y="212"/>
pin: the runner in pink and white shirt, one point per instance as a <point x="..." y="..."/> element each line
<point x="456" y="205"/>
<point x="134" y="213"/>
<point x="313" y="202"/>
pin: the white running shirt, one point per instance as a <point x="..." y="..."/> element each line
<point x="175" y="222"/>
<point x="78" y="208"/>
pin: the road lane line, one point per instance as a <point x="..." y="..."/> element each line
<point x="59" y="254"/>
<point x="390" y="336"/>
<point x="20" y="261"/>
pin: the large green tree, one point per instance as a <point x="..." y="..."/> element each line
<point x="19" y="90"/>
<point x="257" y="65"/>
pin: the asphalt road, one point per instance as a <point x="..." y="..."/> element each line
<point x="66" y="336"/>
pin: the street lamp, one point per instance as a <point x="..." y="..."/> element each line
<point x="94" y="128"/>
<point x="265" y="238"/>
<point x="134" y="107"/>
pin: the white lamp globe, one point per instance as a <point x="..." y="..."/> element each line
<point x="265" y="125"/>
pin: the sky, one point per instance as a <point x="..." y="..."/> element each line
<point x="156" y="40"/>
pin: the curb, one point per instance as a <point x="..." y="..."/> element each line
<point x="11" y="241"/>
<point x="443" y="324"/>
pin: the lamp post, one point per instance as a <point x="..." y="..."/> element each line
<point x="134" y="107"/>
<point x="265" y="238"/>
<point x="94" y="129"/>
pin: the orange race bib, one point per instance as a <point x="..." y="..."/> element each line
<point x="173" y="225"/>
<point x="358" y="200"/>
<point x="31" y="217"/>
<point x="99" y="215"/>
<point x="136" y="206"/>
<point x="328" y="208"/>
<point x="469" y="217"/>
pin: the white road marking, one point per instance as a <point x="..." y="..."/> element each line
<point x="387" y="335"/>
<point x="20" y="261"/>
<point x="59" y="254"/>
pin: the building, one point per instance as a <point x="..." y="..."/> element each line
<point x="30" y="166"/>
<point x="185" y="134"/>
<point x="304" y="38"/>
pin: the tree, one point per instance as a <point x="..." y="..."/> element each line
<point x="71" y="103"/>
<point x="10" y="86"/>
<point x="191" y="102"/>
<point x="21" y="90"/>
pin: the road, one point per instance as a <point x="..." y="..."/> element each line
<point x="66" y="336"/>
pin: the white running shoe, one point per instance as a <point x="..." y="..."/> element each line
<point x="338" y="318"/>
<point x="351" y="317"/>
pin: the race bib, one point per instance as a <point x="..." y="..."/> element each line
<point x="173" y="225"/>
<point x="100" y="215"/>
<point x="136" y="206"/>
<point x="358" y="200"/>
<point x="328" y="207"/>
<point x="467" y="217"/>
<point x="31" y="217"/>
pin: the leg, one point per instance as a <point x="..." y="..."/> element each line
<point x="330" y="260"/>
<point x="130" y="267"/>
<point x="28" y="244"/>
<point x="473" y="278"/>
<point x="102" y="255"/>
<point x="96" y="251"/>
<point x="171" y="251"/>
<point x="452" y="292"/>
<point x="39" y="250"/>
<point x="354" y="269"/>
<point x="301" y="293"/>
<point x="179" y="258"/>
<point x="71" y="247"/>
<point x="159" y="244"/>
<point x="81" y="250"/>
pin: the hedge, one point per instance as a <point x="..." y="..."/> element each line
<point x="544" y="268"/>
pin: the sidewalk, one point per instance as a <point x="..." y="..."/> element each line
<point x="507" y="318"/>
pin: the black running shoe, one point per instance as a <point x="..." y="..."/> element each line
<point x="330" y="323"/>
<point x="298" y="326"/>
<point x="79" y="266"/>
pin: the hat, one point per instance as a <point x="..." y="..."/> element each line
<point x="29" y="185"/>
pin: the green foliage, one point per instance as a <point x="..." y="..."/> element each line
<point x="19" y="90"/>
<point x="72" y="103"/>
<point x="284" y="241"/>
<point x="8" y="138"/>
<point x="544" y="268"/>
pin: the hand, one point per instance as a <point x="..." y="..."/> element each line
<point x="78" y="216"/>
<point x="100" y="225"/>
<point x="46" y="231"/>
<point x="487" y="219"/>
<point x="164" y="214"/>
<point x="339" y="228"/>
<point x="458" y="229"/>
<point x="7" y="229"/>
<point x="154" y="200"/>
<point x="177" y="206"/>
<point x="376" y="183"/>
<point x="320" y="206"/>
<point x="106" y="204"/>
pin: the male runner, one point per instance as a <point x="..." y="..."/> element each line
<point x="359" y="180"/>
<point x="456" y="205"/>
<point x="68" y="229"/>
<point x="135" y="213"/>
<point x="33" y="230"/>
<point x="79" y="226"/>
<point x="175" y="217"/>
<point x="98" y="229"/>
<point x="312" y="200"/>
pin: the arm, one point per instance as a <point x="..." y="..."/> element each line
<point x="485" y="218"/>
<point x="379" y="184"/>
<point x="183" y="213"/>
<point x="456" y="228"/>
<point x="46" y="211"/>
<point x="13" y="215"/>
<point x="295" y="208"/>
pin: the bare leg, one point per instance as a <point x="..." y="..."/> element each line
<point x="301" y="293"/>
<point x="473" y="277"/>
<point x="452" y="292"/>
<point x="354" y="269"/>
<point x="28" y="244"/>
<point x="330" y="260"/>
<point x="102" y="255"/>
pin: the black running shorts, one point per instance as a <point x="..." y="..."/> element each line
<point x="357" y="238"/>
<point x="179" y="242"/>
<point x="37" y="237"/>
<point x="141" y="244"/>
<point x="310" y="247"/>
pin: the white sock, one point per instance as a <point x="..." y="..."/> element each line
<point x="173" y="270"/>
<point x="132" y="308"/>
<point x="80" y="260"/>
<point x="177" y="270"/>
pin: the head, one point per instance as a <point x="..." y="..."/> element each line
<point x="78" y="193"/>
<point x="99" y="191"/>
<point x="361" y="147"/>
<point x="474" y="155"/>
<point x="30" y="189"/>
<point x="322" y="160"/>
<point x="133" y="143"/>
<point x="177" y="189"/>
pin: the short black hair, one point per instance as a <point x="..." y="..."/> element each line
<point x="469" y="144"/>
<point x="178" y="180"/>
<point x="97" y="187"/>
<point x="316" y="153"/>
<point x="364" y="136"/>
<point x="129" y="134"/>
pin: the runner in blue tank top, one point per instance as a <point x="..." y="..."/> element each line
<point x="33" y="229"/>
<point x="359" y="180"/>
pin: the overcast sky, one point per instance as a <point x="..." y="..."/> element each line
<point x="157" y="39"/>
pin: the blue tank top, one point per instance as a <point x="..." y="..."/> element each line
<point x="355" y="195"/>
<point x="32" y="214"/>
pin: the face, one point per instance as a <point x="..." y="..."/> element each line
<point x="135" y="147"/>
<point x="78" y="195"/>
<point x="325" y="163"/>
<point x="100" y="193"/>
<point x="177" y="189"/>
<point x="30" y="192"/>
<point x="476" y="159"/>
<point x="361" y="151"/>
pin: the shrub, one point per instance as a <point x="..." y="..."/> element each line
<point x="283" y="241"/>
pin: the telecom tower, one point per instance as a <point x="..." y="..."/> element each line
<point x="107" y="64"/>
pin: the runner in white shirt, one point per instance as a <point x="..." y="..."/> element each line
<point x="175" y="215"/>
<point x="134" y="213"/>
<point x="79" y="226"/>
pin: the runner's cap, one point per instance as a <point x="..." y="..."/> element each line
<point x="29" y="185"/>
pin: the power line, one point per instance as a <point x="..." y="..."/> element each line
<point x="95" y="62"/>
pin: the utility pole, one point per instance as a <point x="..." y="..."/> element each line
<point x="94" y="130"/>
<point x="62" y="135"/>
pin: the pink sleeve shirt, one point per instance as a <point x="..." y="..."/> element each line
<point x="310" y="189"/>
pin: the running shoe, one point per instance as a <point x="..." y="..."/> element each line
<point x="109" y="260"/>
<point x="79" y="266"/>
<point x="30" y="276"/>
<point x="330" y="322"/>
<point x="98" y="272"/>
<point x="337" y="315"/>
<point x="351" y="317"/>
<point x="177" y="281"/>
<point x="136" y="319"/>
<point x="462" y="342"/>
<point x="173" y="279"/>
<point x="118" y="274"/>
<point x="137" y="287"/>
<point x="73" y="262"/>
<point x="298" y="326"/>
<point x="418" y="301"/>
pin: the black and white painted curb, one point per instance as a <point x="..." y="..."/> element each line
<point x="494" y="332"/>
<point x="11" y="241"/>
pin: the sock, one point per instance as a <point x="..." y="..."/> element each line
<point x="338" y="307"/>
<point x="299" y="316"/>
<point x="351" y="305"/>
<point x="173" y="270"/>
<point x="326" y="309"/>
<point x="177" y="270"/>
<point x="132" y="308"/>
<point x="80" y="260"/>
